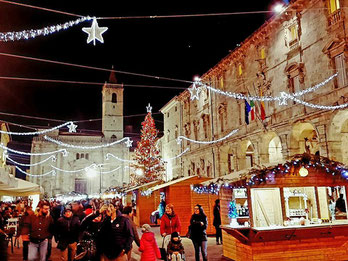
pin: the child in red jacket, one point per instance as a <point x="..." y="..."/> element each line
<point x="148" y="245"/>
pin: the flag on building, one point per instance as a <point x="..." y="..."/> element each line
<point x="252" y="106"/>
<point x="247" y="111"/>
<point x="262" y="105"/>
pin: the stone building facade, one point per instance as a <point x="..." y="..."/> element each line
<point x="294" y="50"/>
<point x="72" y="172"/>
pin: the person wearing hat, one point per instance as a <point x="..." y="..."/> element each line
<point x="170" y="222"/>
<point x="148" y="245"/>
<point x="67" y="234"/>
<point x="175" y="249"/>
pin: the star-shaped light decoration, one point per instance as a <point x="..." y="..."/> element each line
<point x="72" y="127"/>
<point x="54" y="159"/>
<point x="65" y="153"/>
<point x="129" y="143"/>
<point x="95" y="32"/>
<point x="194" y="92"/>
<point x="283" y="99"/>
<point x="149" y="108"/>
<point x="178" y="141"/>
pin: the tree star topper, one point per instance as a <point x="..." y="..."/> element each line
<point x="72" y="127"/>
<point x="149" y="108"/>
<point x="95" y="32"/>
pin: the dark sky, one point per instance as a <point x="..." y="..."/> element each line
<point x="176" y="48"/>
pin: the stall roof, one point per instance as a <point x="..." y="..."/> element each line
<point x="23" y="188"/>
<point x="236" y="175"/>
<point x="142" y="186"/>
<point x="159" y="186"/>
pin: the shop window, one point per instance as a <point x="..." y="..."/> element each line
<point x="300" y="205"/>
<point x="340" y="66"/>
<point x="241" y="200"/>
<point x="114" y="98"/>
<point x="266" y="205"/>
<point x="333" y="203"/>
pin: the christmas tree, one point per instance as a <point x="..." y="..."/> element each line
<point x="232" y="210"/>
<point x="147" y="155"/>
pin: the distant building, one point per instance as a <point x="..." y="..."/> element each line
<point x="93" y="180"/>
<point x="297" y="49"/>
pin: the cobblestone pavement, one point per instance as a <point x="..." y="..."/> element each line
<point x="214" y="251"/>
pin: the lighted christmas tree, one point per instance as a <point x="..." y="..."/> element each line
<point x="232" y="210"/>
<point x="147" y="156"/>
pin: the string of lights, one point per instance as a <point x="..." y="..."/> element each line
<point x="52" y="172"/>
<point x="316" y="106"/>
<point x="52" y="157"/>
<point x="127" y="141"/>
<point x="33" y="33"/>
<point x="177" y="156"/>
<point x="63" y="151"/>
<point x="36" y="132"/>
<point x="180" y="138"/>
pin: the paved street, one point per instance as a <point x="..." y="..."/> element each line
<point x="214" y="251"/>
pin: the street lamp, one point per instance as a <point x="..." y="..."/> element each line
<point x="279" y="8"/>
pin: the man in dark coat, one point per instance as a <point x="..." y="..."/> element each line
<point x="217" y="221"/>
<point x="117" y="236"/>
<point x="67" y="233"/>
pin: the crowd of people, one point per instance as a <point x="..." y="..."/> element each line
<point x="94" y="230"/>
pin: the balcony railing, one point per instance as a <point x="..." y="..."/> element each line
<point x="335" y="17"/>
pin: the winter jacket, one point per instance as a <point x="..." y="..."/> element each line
<point x="170" y="224"/>
<point x="198" y="231"/>
<point x="149" y="247"/>
<point x="135" y="231"/>
<point x="67" y="231"/>
<point x="115" y="236"/>
<point x="41" y="227"/>
<point x="175" y="246"/>
<point x="24" y="225"/>
<point x="217" y="216"/>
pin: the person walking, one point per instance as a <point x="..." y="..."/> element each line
<point x="217" y="222"/>
<point x="67" y="233"/>
<point x="128" y="213"/>
<point x="40" y="229"/>
<point x="170" y="222"/>
<point x="117" y="236"/>
<point x="148" y="245"/>
<point x="23" y="230"/>
<point x="198" y="226"/>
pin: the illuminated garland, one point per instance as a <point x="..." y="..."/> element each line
<point x="33" y="33"/>
<point x="177" y="156"/>
<point x="267" y="175"/>
<point x="60" y="143"/>
<point x="108" y="155"/>
<point x="63" y="151"/>
<point x="34" y="164"/>
<point x="180" y="138"/>
<point x="70" y="123"/>
<point x="52" y="172"/>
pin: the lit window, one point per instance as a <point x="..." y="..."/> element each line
<point x="263" y="53"/>
<point x="293" y="34"/>
<point x="222" y="82"/>
<point x="333" y="5"/>
<point x="240" y="70"/>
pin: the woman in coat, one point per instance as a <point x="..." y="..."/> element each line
<point x="198" y="234"/>
<point x="170" y="222"/>
<point x="148" y="245"/>
<point x="217" y="221"/>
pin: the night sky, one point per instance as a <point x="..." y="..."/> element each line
<point x="177" y="48"/>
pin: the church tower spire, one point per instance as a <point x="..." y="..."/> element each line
<point x="112" y="122"/>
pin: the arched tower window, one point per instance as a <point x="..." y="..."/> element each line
<point x="114" y="98"/>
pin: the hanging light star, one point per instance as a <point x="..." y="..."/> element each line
<point x="72" y="127"/>
<point x="149" y="108"/>
<point x="194" y="92"/>
<point x="95" y="32"/>
<point x="129" y="143"/>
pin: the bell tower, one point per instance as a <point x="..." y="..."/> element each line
<point x="112" y="123"/>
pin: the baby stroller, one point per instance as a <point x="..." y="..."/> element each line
<point x="164" y="251"/>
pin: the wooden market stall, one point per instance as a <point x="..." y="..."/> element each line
<point x="143" y="205"/>
<point x="179" y="193"/>
<point x="296" y="210"/>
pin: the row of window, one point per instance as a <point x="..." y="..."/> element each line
<point x="82" y="156"/>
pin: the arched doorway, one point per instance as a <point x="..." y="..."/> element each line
<point x="304" y="138"/>
<point x="338" y="137"/>
<point x="249" y="155"/>
<point x="271" y="148"/>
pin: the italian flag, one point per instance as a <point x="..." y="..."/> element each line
<point x="252" y="110"/>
